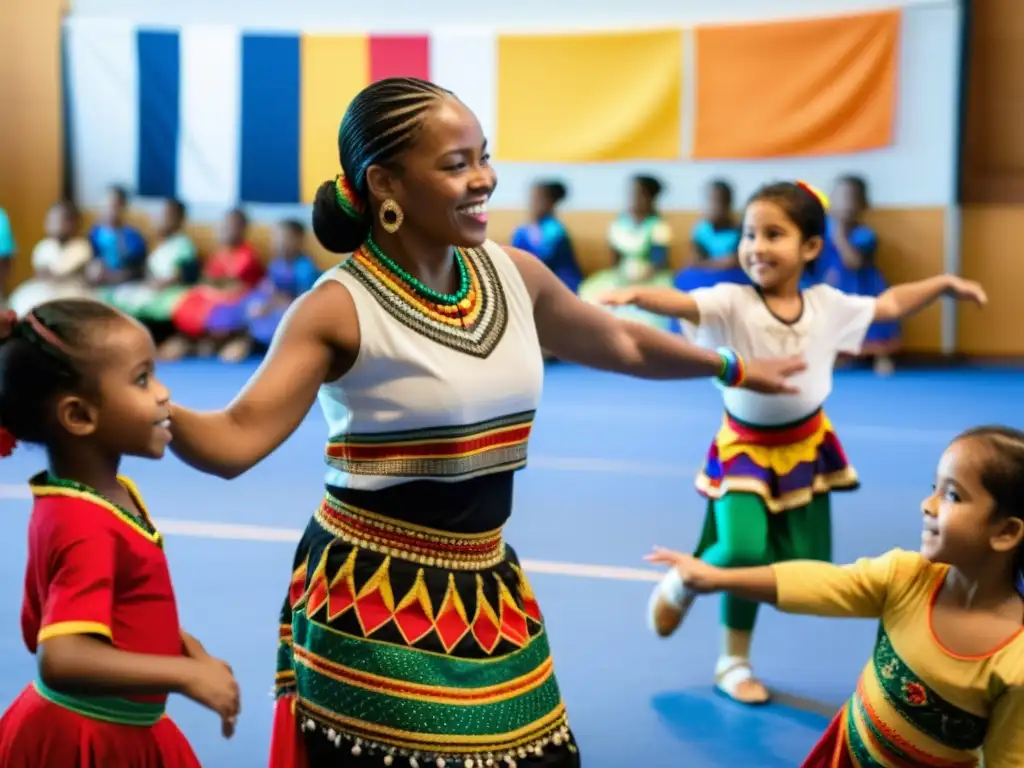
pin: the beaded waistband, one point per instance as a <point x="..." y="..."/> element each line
<point x="109" y="709"/>
<point x="397" y="538"/>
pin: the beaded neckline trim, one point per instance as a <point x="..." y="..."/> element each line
<point x="472" y="321"/>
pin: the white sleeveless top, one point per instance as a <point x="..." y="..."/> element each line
<point x="433" y="397"/>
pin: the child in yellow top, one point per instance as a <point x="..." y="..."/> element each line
<point x="945" y="685"/>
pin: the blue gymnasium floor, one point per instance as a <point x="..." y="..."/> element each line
<point x="610" y="474"/>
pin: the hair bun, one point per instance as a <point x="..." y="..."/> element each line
<point x="339" y="229"/>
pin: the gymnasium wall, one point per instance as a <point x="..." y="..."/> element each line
<point x="31" y="156"/>
<point x="908" y="157"/>
<point x="993" y="178"/>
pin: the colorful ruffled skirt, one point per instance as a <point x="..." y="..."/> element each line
<point x="409" y="646"/>
<point x="787" y="467"/>
<point x="45" y="728"/>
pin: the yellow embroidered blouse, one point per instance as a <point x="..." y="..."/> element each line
<point x="917" y="703"/>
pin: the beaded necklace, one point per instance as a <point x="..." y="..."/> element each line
<point x="135" y="517"/>
<point x="425" y="291"/>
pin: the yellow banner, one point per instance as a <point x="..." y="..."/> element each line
<point x="590" y="98"/>
<point x="334" y="70"/>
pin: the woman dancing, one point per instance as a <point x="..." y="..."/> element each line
<point x="409" y="630"/>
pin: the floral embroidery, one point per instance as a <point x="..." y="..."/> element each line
<point x="922" y="706"/>
<point x="914" y="694"/>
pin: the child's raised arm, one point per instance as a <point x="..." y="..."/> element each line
<point x="810" y="587"/>
<point x="908" y="299"/>
<point x="667" y="302"/>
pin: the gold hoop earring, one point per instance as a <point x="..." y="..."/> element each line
<point x="391" y="216"/>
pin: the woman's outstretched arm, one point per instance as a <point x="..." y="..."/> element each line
<point x="580" y="333"/>
<point x="316" y="342"/>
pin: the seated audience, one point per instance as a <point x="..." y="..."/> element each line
<point x="714" y="243"/>
<point x="120" y="249"/>
<point x="546" y="237"/>
<point x="59" y="262"/>
<point x="290" y="274"/>
<point x="205" y="317"/>
<point x="847" y="262"/>
<point x="7" y="252"/>
<point x="640" y="240"/>
<point x="170" y="269"/>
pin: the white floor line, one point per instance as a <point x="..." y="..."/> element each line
<point x="658" y="414"/>
<point x="198" y="529"/>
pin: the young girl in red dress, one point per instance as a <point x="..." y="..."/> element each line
<point x="99" y="613"/>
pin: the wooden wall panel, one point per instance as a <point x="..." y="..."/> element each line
<point x="992" y="163"/>
<point x="31" y="132"/>
<point x="993" y="241"/>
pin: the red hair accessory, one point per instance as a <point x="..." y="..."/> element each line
<point x="822" y="197"/>
<point x="348" y="199"/>
<point x="7" y="443"/>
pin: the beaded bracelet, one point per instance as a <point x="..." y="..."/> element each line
<point x="733" y="371"/>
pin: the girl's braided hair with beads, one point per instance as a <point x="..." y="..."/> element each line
<point x="1002" y="475"/>
<point x="381" y="122"/>
<point x="43" y="356"/>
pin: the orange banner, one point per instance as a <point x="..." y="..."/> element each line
<point x="788" y="89"/>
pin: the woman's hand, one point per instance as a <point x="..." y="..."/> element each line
<point x="770" y="376"/>
<point x="697" y="576"/>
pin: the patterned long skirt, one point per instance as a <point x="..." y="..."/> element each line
<point x="405" y="645"/>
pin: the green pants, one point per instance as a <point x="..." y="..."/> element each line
<point x="740" y="532"/>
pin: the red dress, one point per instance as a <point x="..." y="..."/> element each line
<point x="240" y="264"/>
<point x="94" y="569"/>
